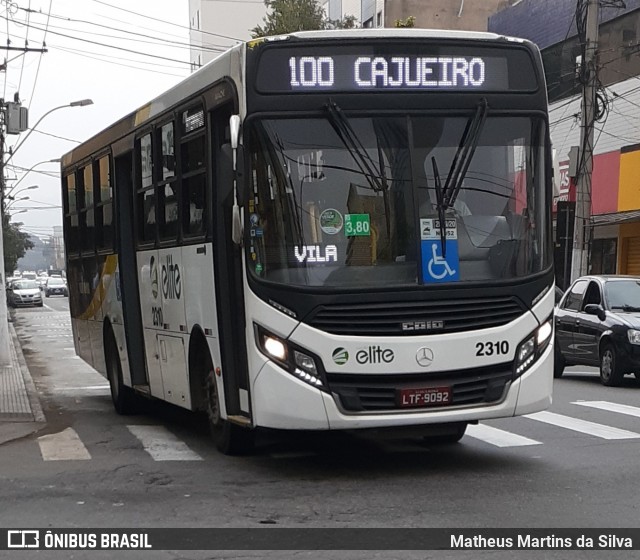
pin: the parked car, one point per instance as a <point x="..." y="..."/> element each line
<point x="55" y="286"/>
<point x="24" y="292"/>
<point x="598" y="323"/>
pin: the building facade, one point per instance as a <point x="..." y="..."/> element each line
<point x="615" y="181"/>
<point x="216" y="26"/>
<point x="470" y="15"/>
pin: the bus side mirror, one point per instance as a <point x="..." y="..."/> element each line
<point x="226" y="176"/>
<point x="241" y="185"/>
<point x="230" y="174"/>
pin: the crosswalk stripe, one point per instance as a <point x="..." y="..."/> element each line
<point x="582" y="426"/>
<point x="499" y="438"/>
<point x="162" y="445"/>
<point x="611" y="407"/>
<point x="63" y="446"/>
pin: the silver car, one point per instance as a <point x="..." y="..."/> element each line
<point x="24" y="292"/>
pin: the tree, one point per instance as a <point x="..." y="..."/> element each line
<point x="409" y="22"/>
<point x="16" y="243"/>
<point x="288" y="16"/>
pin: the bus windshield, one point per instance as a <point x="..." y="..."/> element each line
<point x="357" y="202"/>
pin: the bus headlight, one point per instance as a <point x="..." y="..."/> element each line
<point x="532" y="347"/>
<point x="295" y="360"/>
<point x="275" y="348"/>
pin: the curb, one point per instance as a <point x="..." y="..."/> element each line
<point x="32" y="393"/>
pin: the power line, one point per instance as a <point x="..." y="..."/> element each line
<point x="26" y="44"/>
<point x="165" y="22"/>
<point x="141" y="53"/>
<point x="35" y="80"/>
<point x="154" y="40"/>
<point x="56" y="136"/>
<point x="106" y="59"/>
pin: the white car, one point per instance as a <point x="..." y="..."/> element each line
<point x="24" y="292"/>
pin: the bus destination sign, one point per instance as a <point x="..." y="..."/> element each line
<point x="327" y="69"/>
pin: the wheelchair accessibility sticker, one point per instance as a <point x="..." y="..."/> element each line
<point x="435" y="266"/>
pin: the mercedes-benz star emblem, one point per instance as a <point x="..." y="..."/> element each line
<point x="424" y="356"/>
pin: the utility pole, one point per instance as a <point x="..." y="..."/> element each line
<point x="589" y="79"/>
<point x="5" y="356"/>
<point x="14" y="119"/>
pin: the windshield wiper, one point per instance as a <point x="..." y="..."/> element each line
<point x="464" y="154"/>
<point x="442" y="210"/>
<point x="446" y="197"/>
<point x="377" y="179"/>
<point x="341" y="125"/>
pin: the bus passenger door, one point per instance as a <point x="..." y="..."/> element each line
<point x="228" y="283"/>
<point x="128" y="269"/>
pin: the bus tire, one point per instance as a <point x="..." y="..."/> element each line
<point x="453" y="436"/>
<point x="229" y="438"/>
<point x="123" y="397"/>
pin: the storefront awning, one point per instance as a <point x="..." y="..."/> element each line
<point x="615" y="218"/>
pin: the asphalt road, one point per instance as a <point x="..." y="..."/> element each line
<point x="574" y="466"/>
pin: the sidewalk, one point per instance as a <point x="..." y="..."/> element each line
<point x="20" y="410"/>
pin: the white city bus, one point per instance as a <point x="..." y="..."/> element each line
<point x="324" y="231"/>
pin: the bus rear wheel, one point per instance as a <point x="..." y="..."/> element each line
<point x="124" y="399"/>
<point x="229" y="438"/>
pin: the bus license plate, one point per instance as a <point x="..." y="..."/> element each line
<point x="423" y="396"/>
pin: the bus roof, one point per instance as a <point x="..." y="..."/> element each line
<point x="410" y="33"/>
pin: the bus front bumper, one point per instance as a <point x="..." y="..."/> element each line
<point x="280" y="401"/>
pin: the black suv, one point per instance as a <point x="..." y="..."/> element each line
<point x="597" y="322"/>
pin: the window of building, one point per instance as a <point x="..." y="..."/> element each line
<point x="604" y="256"/>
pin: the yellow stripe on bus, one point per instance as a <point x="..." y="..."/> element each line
<point x="142" y="114"/>
<point x="108" y="270"/>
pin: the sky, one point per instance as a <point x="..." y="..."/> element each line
<point x="118" y="53"/>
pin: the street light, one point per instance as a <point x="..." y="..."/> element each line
<point x="81" y="103"/>
<point x="54" y="160"/>
<point x="13" y="200"/>
<point x="9" y="196"/>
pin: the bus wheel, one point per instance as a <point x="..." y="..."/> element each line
<point x="123" y="397"/>
<point x="452" y="436"/>
<point x="229" y="438"/>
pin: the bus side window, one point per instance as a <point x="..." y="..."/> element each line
<point x="146" y="195"/>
